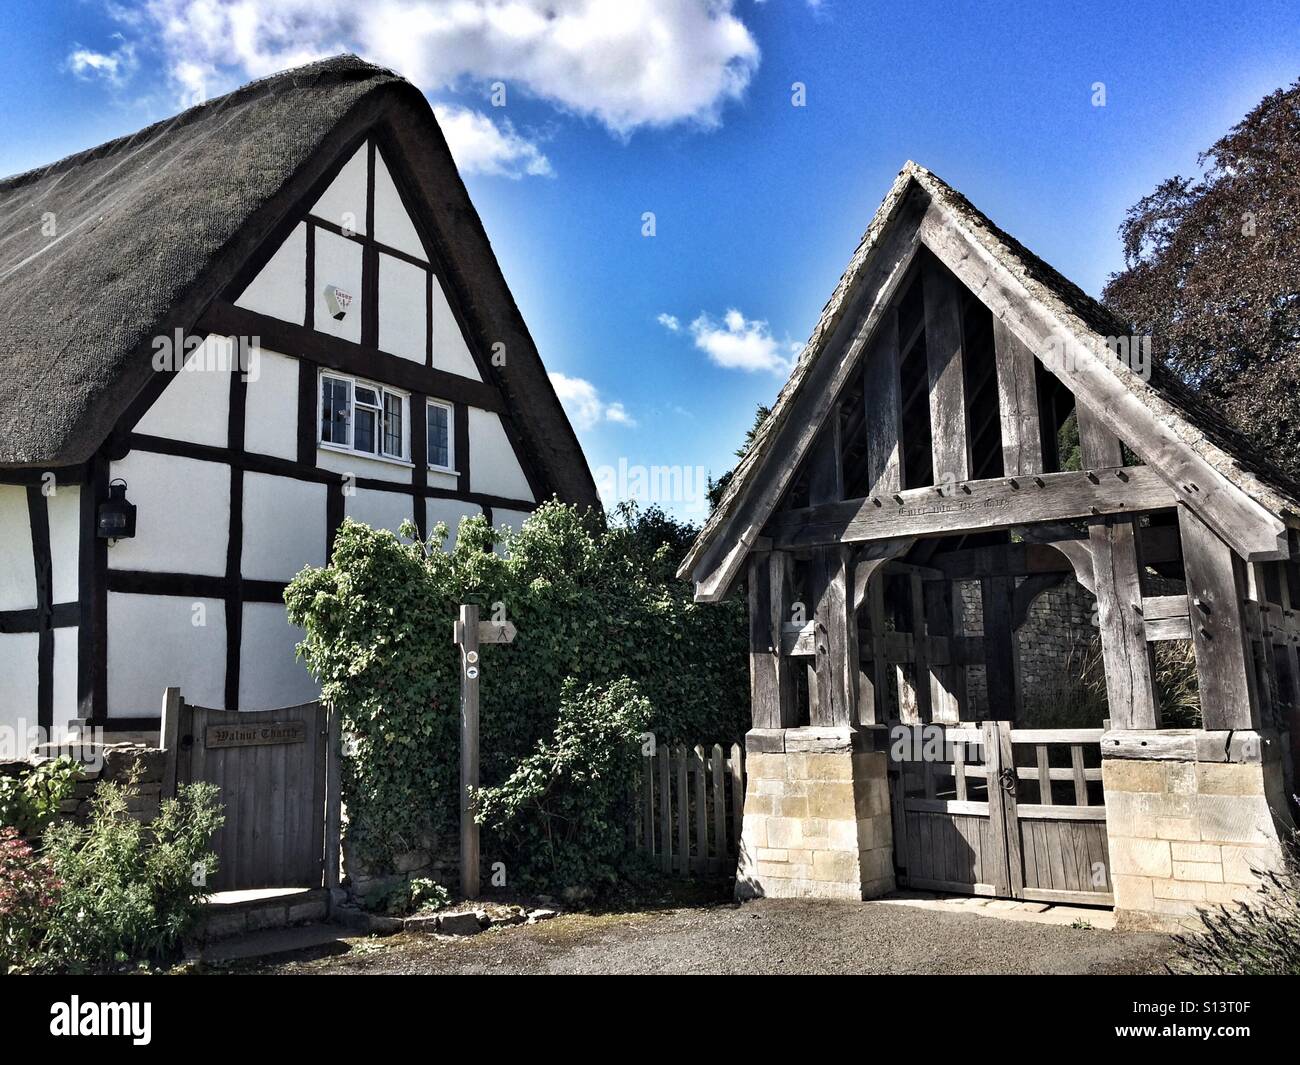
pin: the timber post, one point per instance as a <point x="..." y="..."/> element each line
<point x="467" y="640"/>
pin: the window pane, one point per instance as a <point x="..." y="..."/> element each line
<point x="367" y="395"/>
<point x="393" y="433"/>
<point x="439" y="437"/>
<point x="334" y="411"/>
<point x="365" y="430"/>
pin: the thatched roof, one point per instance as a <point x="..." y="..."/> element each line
<point x="104" y="250"/>
<point x="1167" y="399"/>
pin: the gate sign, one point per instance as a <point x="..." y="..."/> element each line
<point x="263" y="735"/>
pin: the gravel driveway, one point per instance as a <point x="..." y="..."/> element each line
<point x="766" y="936"/>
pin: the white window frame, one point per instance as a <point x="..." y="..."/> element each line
<point x="381" y="391"/>
<point x="451" y="436"/>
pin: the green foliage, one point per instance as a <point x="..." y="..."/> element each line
<point x="420" y="895"/>
<point x="29" y="803"/>
<point x="591" y="602"/>
<point x="1257" y="938"/>
<point x="28" y="890"/>
<point x="1178" y="688"/>
<point x="715" y="489"/>
<point x="564" y="811"/>
<point x="128" y="890"/>
<point x="1212" y="268"/>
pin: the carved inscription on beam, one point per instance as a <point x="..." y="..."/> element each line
<point x="995" y="503"/>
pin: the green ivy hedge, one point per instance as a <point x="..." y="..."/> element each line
<point x="593" y="603"/>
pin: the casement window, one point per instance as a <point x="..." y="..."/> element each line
<point x="441" y="453"/>
<point x="362" y="417"/>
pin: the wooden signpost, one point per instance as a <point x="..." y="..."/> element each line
<point x="469" y="633"/>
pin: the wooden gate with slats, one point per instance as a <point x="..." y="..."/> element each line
<point x="277" y="786"/>
<point x="690" y="803"/>
<point x="993" y="810"/>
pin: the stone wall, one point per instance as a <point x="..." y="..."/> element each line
<point x="117" y="762"/>
<point x="816" y="820"/>
<point x="1186" y="832"/>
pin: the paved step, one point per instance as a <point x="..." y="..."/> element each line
<point x="234" y="913"/>
<point x="272" y="941"/>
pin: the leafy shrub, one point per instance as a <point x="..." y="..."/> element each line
<point x="418" y="895"/>
<point x="564" y="810"/>
<point x="591" y="601"/>
<point x="28" y="891"/>
<point x="129" y="890"/>
<point x="1257" y="938"/>
<point x="29" y="803"/>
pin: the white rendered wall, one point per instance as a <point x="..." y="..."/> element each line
<point x="494" y="469"/>
<point x="182" y="515"/>
<point x="65" y="677"/>
<point x="344" y="202"/>
<point x="363" y="466"/>
<point x="393" y="226"/>
<point x="64" y="508"/>
<point x="450" y="352"/>
<point x="270" y="675"/>
<point x="279" y="289"/>
<point x="271" y="406"/>
<point x="284" y="526"/>
<point x="18" y="684"/>
<point x="450" y="511"/>
<point x="338" y="263"/>
<point x="403" y="303"/>
<point x="17" y="567"/>
<point x="154" y="642"/>
<point x="379" y="509"/>
<point x="195" y="406"/>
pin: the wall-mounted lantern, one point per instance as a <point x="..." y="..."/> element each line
<point x="116" y="515"/>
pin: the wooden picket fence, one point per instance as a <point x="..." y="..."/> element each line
<point x="690" y="804"/>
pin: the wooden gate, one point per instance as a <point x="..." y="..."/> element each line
<point x="991" y="810"/>
<point x="275" y="774"/>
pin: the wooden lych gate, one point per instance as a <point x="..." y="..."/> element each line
<point x="277" y="775"/>
<point x="984" y="810"/>
<point x="963" y="415"/>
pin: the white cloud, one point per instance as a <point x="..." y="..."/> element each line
<point x="739" y="343"/>
<point x="626" y="63"/>
<point x="670" y="322"/>
<point x="115" y="67"/>
<point x="480" y="146"/>
<point x="582" y="402"/>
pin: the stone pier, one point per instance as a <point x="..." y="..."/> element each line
<point x="817" y="817"/>
<point x="1191" y="825"/>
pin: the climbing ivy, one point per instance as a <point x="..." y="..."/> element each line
<point x="593" y="602"/>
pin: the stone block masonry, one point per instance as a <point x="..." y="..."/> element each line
<point x="817" y="818"/>
<point x="132" y="764"/>
<point x="1187" y="834"/>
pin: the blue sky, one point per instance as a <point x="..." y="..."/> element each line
<point x="684" y="109"/>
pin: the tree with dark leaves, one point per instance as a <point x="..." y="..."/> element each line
<point x="1212" y="273"/>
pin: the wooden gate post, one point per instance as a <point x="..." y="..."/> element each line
<point x="169" y="737"/>
<point x="467" y="638"/>
<point x="333" y="803"/>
